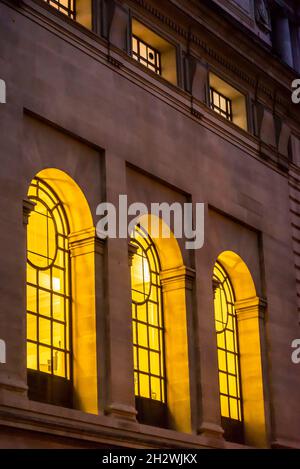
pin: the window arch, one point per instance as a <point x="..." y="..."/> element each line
<point x="49" y="351"/>
<point x="148" y="331"/>
<point x="65" y="236"/>
<point x="228" y="355"/>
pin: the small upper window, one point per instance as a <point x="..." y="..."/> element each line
<point x="227" y="101"/>
<point x="154" y="52"/>
<point x="221" y="104"/>
<point x="79" y="10"/>
<point x="65" y="6"/>
<point x="145" y="54"/>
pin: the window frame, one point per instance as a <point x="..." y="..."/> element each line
<point x="228" y="114"/>
<point x="160" y="315"/>
<point x="238" y="87"/>
<point x="233" y="428"/>
<point x="67" y="11"/>
<point x="36" y="376"/>
<point x="140" y="59"/>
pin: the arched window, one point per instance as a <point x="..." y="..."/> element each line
<point x="228" y="355"/>
<point x="49" y="350"/>
<point x="148" y="331"/>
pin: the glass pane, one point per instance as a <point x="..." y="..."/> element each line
<point x="31" y="274"/>
<point x="153" y="338"/>
<point x="59" y="363"/>
<point x="44" y="303"/>
<point x="134" y="45"/>
<point x="45" y="359"/>
<point x="58" y="307"/>
<point x="232" y="386"/>
<point x="31" y="327"/>
<point x="231" y="363"/>
<point x="45" y="279"/>
<point x="229" y="341"/>
<point x="154" y="363"/>
<point x="223" y="103"/>
<point x="31" y="356"/>
<point x="58" y="335"/>
<point x="155" y="389"/>
<point x="58" y="280"/>
<point x="144" y="385"/>
<point x="221" y="340"/>
<point x="222" y="360"/>
<point x="143" y="360"/>
<point x="31" y="299"/>
<point x="143" y="50"/>
<point x="142" y="312"/>
<point x="234" y="414"/>
<point x="142" y="335"/>
<point x="223" y="383"/>
<point x="224" y="406"/>
<point x="153" y="314"/>
<point x="44" y="331"/>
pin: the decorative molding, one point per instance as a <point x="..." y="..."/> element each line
<point x="215" y="284"/>
<point x="212" y="53"/>
<point x="178" y="277"/>
<point x="250" y="308"/>
<point x="132" y="250"/>
<point x="113" y="61"/>
<point x="196" y="113"/>
<point x="85" y="242"/>
<point x="28" y="207"/>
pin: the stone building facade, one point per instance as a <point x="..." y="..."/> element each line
<point x="164" y="101"/>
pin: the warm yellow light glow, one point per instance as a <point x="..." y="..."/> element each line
<point x="228" y="101"/>
<point x="48" y="301"/>
<point x="148" y="346"/>
<point x="227" y="341"/>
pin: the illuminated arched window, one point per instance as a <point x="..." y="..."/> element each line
<point x="228" y="355"/>
<point x="148" y="331"/>
<point x="48" y="298"/>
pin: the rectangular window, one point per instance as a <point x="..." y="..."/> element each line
<point x="221" y="104"/>
<point x="78" y="10"/>
<point x="146" y="55"/>
<point x="67" y="7"/>
<point x="153" y="51"/>
<point x="227" y="101"/>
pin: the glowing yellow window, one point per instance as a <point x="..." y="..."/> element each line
<point x="65" y="6"/>
<point x="147" y="320"/>
<point x="146" y="55"/>
<point x="227" y="344"/>
<point x="48" y="284"/>
<point x="79" y="10"/>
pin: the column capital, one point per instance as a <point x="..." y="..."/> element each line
<point x="28" y="207"/>
<point x="215" y="284"/>
<point x="132" y="250"/>
<point x="251" y="308"/>
<point x="84" y="242"/>
<point x="177" y="277"/>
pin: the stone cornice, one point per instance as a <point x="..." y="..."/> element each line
<point x="210" y="52"/>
